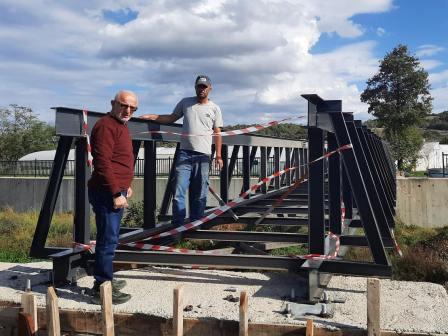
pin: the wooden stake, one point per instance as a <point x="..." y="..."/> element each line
<point x="29" y="306"/>
<point x="178" y="312"/>
<point x="244" y="316"/>
<point x="309" y="327"/>
<point x="373" y="307"/>
<point x="53" y="324"/>
<point x="107" y="309"/>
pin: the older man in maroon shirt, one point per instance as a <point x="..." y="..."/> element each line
<point x="110" y="186"/>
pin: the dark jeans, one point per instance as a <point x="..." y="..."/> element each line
<point x="191" y="171"/>
<point x="108" y="229"/>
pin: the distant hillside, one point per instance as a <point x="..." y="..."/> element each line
<point x="284" y="131"/>
<point x="434" y="128"/>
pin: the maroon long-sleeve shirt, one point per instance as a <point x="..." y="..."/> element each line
<point x="113" y="158"/>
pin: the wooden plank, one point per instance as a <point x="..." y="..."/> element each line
<point x="244" y="316"/>
<point x="29" y="305"/>
<point x="309" y="327"/>
<point x="89" y="322"/>
<point x="53" y="323"/>
<point x="107" y="308"/>
<point x="178" y="312"/>
<point x="373" y="307"/>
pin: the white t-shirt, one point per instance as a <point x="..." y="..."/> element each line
<point x="198" y="119"/>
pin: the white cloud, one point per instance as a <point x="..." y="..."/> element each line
<point x="257" y="53"/>
<point x="428" y="50"/>
<point x="380" y="31"/>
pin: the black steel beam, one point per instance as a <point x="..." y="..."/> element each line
<point x="359" y="190"/>
<point x="369" y="183"/>
<point x="69" y="123"/>
<point x="221" y="261"/>
<point x="246" y="236"/>
<point x="355" y="268"/>
<point x="168" y="194"/>
<point x="81" y="229"/>
<point x="277" y="210"/>
<point x="316" y="191"/>
<point x="150" y="185"/>
<point x="224" y="178"/>
<point x="51" y="195"/>
<point x="233" y="161"/>
<point x="334" y="186"/>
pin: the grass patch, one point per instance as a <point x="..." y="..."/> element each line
<point x="17" y="231"/>
<point x="290" y="251"/>
<point x="421" y="173"/>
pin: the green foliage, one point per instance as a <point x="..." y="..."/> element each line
<point x="405" y="145"/>
<point x="17" y="230"/>
<point x="290" y="251"/>
<point x="432" y="135"/>
<point x="418" y="173"/>
<point x="371" y="123"/>
<point x="134" y="215"/>
<point x="420" y="264"/>
<point x="444" y="140"/>
<point x="398" y="96"/>
<point x="22" y="133"/>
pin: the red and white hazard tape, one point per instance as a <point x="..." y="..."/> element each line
<point x="397" y="247"/>
<point x="325" y="256"/>
<point x="223" y="209"/>
<point x="85" y="132"/>
<point x="342" y="215"/>
<point x="226" y="133"/>
<point x="144" y="246"/>
<point x="238" y="200"/>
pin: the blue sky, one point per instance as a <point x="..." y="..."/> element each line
<point x="260" y="55"/>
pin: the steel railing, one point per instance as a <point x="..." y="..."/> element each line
<point x="42" y="168"/>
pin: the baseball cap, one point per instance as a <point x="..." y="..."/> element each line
<point x="202" y="80"/>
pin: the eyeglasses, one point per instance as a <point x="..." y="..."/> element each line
<point x="126" y="106"/>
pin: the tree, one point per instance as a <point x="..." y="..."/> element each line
<point x="398" y="96"/>
<point x="22" y="133"/>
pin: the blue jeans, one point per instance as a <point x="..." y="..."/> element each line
<point x="107" y="232"/>
<point x="191" y="171"/>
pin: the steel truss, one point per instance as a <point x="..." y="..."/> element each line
<point x="363" y="178"/>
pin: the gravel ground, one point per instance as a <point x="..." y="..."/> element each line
<point x="405" y="306"/>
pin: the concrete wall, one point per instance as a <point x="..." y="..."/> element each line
<point x="26" y="194"/>
<point x="422" y="201"/>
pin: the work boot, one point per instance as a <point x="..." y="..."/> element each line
<point x="117" y="296"/>
<point x="118" y="284"/>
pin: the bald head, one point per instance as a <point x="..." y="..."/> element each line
<point x="124" y="105"/>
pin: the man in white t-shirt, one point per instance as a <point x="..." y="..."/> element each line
<point x="201" y="117"/>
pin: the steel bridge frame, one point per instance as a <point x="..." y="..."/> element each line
<point x="363" y="177"/>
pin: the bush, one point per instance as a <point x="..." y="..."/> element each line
<point x="134" y="215"/>
<point x="420" y="264"/>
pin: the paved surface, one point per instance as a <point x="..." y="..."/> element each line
<point x="405" y="306"/>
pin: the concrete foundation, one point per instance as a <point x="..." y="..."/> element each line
<point x="422" y="201"/>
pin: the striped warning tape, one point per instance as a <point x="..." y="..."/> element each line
<point x="397" y="247"/>
<point x="224" y="208"/>
<point x="85" y="133"/>
<point x="246" y="130"/>
<point x="220" y="211"/>
<point x="326" y="256"/>
<point x="239" y="199"/>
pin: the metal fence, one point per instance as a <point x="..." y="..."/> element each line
<point x="38" y="168"/>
